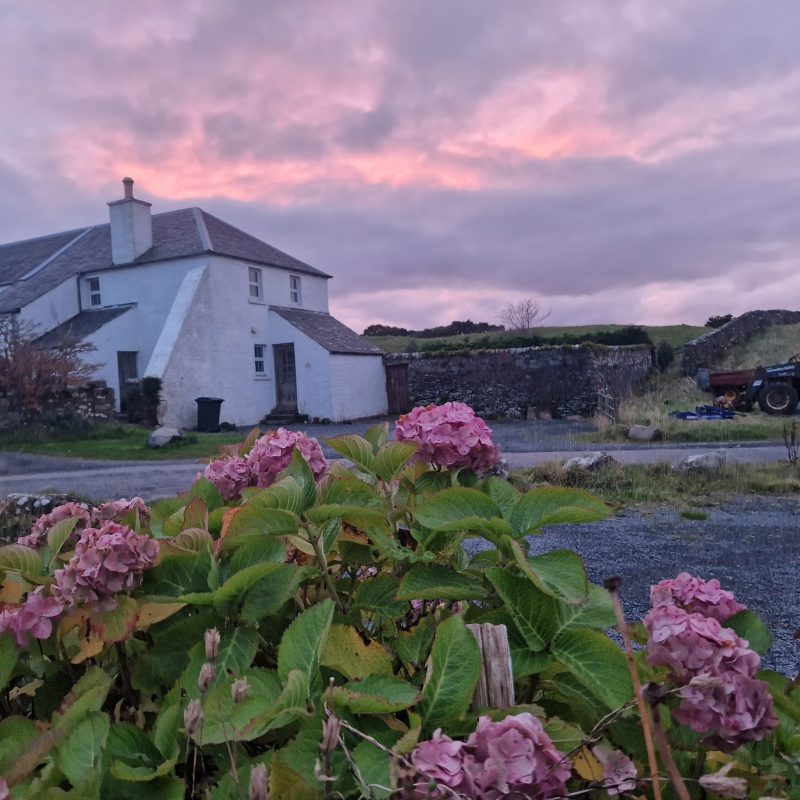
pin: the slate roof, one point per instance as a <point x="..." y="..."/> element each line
<point x="81" y="325"/>
<point x="326" y="330"/>
<point x="32" y="267"/>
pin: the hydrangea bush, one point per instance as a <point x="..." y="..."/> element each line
<point x="297" y="629"/>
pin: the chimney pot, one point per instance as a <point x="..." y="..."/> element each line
<point x="128" y="185"/>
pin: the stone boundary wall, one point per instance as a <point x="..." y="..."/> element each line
<point x="706" y="349"/>
<point x="517" y="382"/>
<point x="94" y="402"/>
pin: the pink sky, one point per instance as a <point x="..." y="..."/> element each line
<point x="622" y="162"/>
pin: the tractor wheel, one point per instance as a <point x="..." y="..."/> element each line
<point x="778" y="398"/>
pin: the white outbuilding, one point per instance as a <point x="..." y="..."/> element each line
<point x="209" y="309"/>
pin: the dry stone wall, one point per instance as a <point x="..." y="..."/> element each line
<point x="708" y="348"/>
<point x="513" y="383"/>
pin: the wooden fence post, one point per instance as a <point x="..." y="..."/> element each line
<point x="495" y="687"/>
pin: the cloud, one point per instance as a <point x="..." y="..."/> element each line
<point x="621" y="161"/>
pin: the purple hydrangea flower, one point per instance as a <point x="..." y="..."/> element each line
<point x="230" y="475"/>
<point x="272" y="454"/>
<point x="34" y="617"/>
<point x="106" y="561"/>
<point x="696" y="596"/>
<point x="450" y="436"/>
<point x="41" y="527"/>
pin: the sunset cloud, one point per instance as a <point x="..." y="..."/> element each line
<point x="624" y="162"/>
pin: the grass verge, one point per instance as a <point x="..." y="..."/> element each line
<point x="114" y="442"/>
<point x="626" y="484"/>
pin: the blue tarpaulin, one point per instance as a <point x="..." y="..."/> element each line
<point x="705" y="414"/>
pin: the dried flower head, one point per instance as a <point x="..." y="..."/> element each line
<point x="721" y="784"/>
<point x="619" y="772"/>
<point x="239" y="690"/>
<point x="331" y="728"/>
<point x="258" y="783"/>
<point x="450" y="435"/>
<point x="211" y="641"/>
<point x="206" y="677"/>
<point x="192" y="717"/>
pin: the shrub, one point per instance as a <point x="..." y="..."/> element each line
<point x="718" y="321"/>
<point x="665" y="355"/>
<point x="310" y="640"/>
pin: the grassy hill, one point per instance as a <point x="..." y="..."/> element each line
<point x="772" y="346"/>
<point x="676" y="335"/>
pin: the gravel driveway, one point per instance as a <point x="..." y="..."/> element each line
<point x="752" y="545"/>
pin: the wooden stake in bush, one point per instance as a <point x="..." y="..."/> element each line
<point x="495" y="687"/>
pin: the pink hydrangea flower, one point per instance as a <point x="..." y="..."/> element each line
<point x="272" y="453"/>
<point x="118" y="510"/>
<point x="106" y="561"/>
<point x="441" y="760"/>
<point x="690" y="644"/>
<point x="696" y="595"/>
<point x="230" y="475"/>
<point x="619" y="772"/>
<point x="450" y="435"/>
<point x="4" y="792"/>
<point x="734" y="710"/>
<point x="510" y="758"/>
<point x="38" y="535"/>
<point x="34" y="617"/>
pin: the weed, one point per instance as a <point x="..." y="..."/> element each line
<point x="694" y="514"/>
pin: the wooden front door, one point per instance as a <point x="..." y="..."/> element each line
<point x="127" y="367"/>
<point x="285" y="378"/>
<point x="397" y="388"/>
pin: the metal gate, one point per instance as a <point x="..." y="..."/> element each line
<point x="397" y="388"/>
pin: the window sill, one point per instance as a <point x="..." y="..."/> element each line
<point x="262" y="378"/>
<point x="258" y="301"/>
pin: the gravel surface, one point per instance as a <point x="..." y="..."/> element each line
<point x="751" y="545"/>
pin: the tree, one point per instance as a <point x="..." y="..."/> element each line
<point x="523" y="314"/>
<point x="30" y="373"/>
<point x="718" y="321"/>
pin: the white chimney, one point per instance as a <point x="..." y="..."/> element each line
<point x="131" y="226"/>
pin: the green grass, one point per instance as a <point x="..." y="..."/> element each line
<point x="116" y="442"/>
<point x="676" y="335"/>
<point x="773" y="345"/>
<point x="626" y="484"/>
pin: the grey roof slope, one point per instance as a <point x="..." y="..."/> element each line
<point x="176" y="234"/>
<point x="326" y="330"/>
<point x="81" y="325"/>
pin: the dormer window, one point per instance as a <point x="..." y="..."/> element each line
<point x="295" y="294"/>
<point x="256" y="288"/>
<point x="94" y="292"/>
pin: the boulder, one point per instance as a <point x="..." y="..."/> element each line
<point x="713" y="460"/>
<point x="163" y="436"/>
<point x="644" y="433"/>
<point x="589" y="462"/>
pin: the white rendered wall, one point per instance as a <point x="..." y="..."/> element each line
<point x="52" y="308"/>
<point x="118" y="334"/>
<point x="358" y="387"/>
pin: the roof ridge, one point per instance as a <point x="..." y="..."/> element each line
<point x="53" y="256"/>
<point x="202" y="230"/>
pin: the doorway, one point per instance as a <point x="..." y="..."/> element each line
<point x="127" y="367"/>
<point x="285" y="378"/>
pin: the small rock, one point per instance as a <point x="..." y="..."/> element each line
<point x="644" y="433"/>
<point x="163" y="436"/>
<point x="589" y="462"/>
<point x="714" y="460"/>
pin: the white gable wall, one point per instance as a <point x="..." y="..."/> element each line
<point x="113" y="336"/>
<point x="52" y="308"/>
<point x="358" y="387"/>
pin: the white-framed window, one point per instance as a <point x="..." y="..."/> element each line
<point x="259" y="353"/>
<point x="256" y="288"/>
<point x="94" y="292"/>
<point x="295" y="291"/>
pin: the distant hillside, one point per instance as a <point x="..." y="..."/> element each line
<point x="676" y="335"/>
<point x="771" y="346"/>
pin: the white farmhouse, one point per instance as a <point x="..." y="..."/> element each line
<point x="209" y="309"/>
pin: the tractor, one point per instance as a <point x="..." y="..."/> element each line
<point x="775" y="388"/>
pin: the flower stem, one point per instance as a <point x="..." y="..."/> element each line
<point x="612" y="585"/>
<point x="666" y="757"/>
